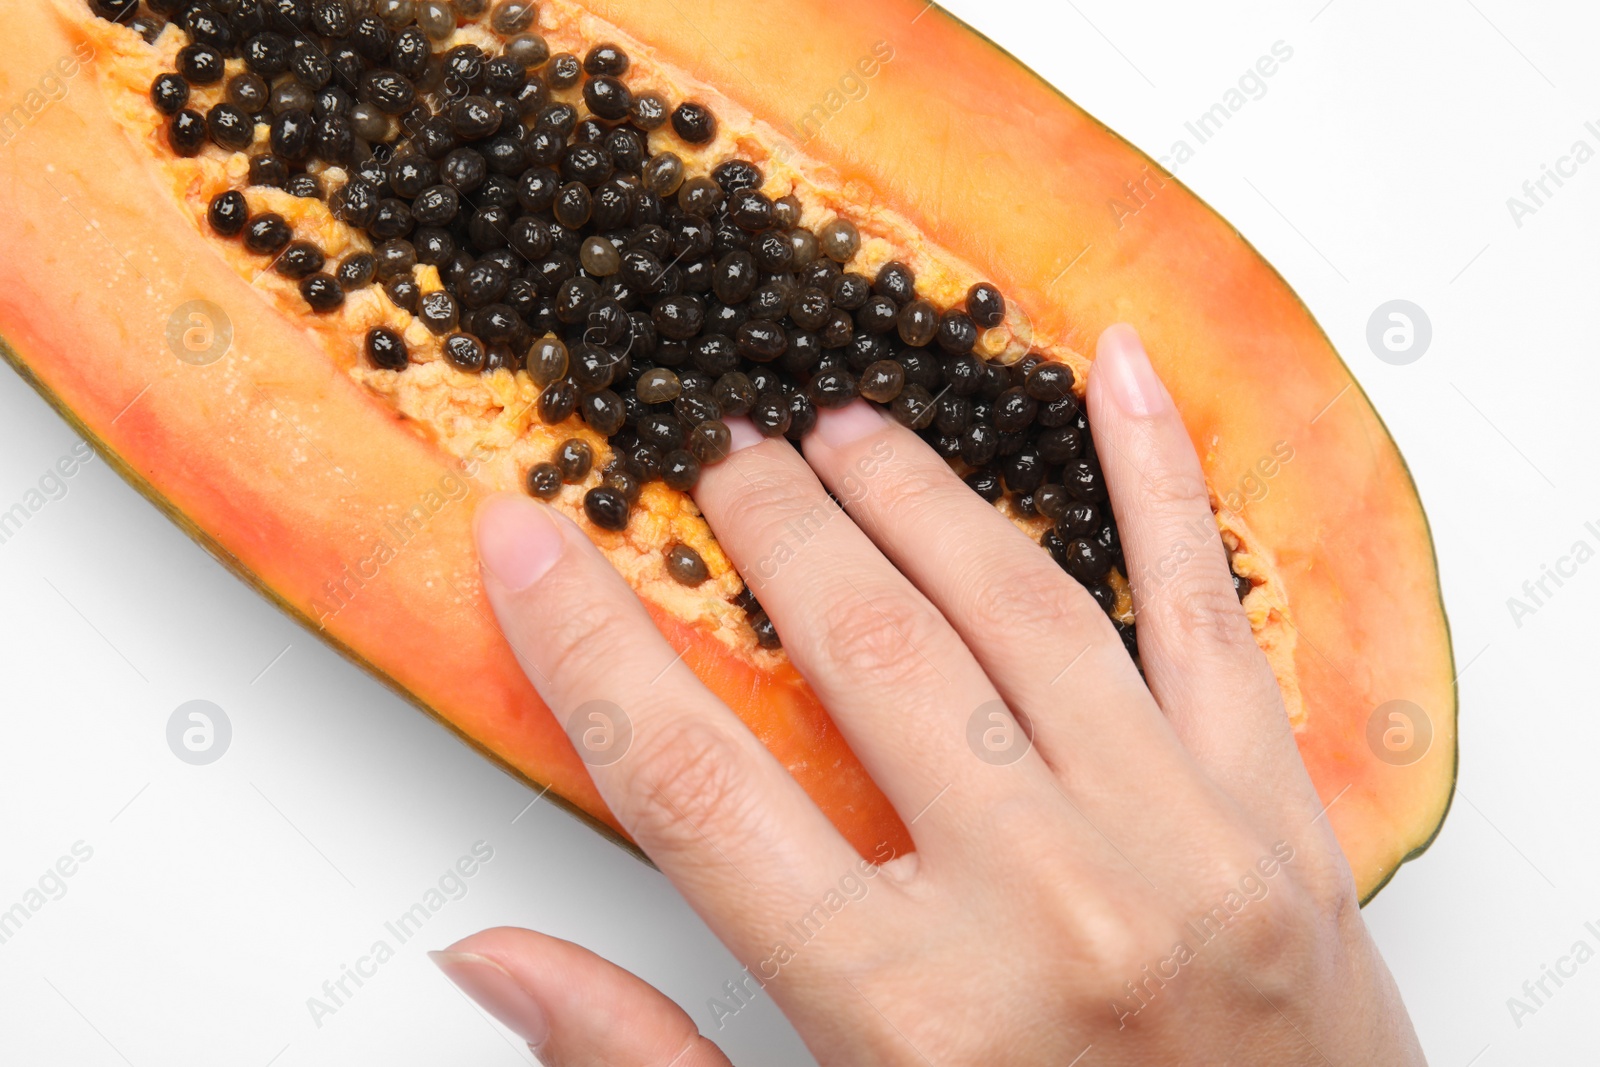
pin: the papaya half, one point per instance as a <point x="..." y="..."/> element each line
<point x="315" y="275"/>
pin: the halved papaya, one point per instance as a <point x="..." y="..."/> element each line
<point x="290" y="395"/>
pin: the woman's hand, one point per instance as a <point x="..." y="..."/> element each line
<point x="1149" y="881"/>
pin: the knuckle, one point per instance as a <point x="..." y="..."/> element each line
<point x="1328" y="886"/>
<point x="1265" y="917"/>
<point x="770" y="497"/>
<point x="1036" y="598"/>
<point x="1199" y="605"/>
<point x="1262" y="927"/>
<point x="573" y="642"/>
<point x="915" y="492"/>
<point x="1168" y="488"/>
<point x="687" y="784"/>
<point x="886" y="639"/>
<point x="1127" y="945"/>
<point x="1278" y="941"/>
<point x="777" y="519"/>
<point x="1186" y="586"/>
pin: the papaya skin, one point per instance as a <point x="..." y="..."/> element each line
<point x="290" y="471"/>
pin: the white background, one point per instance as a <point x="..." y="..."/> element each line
<point x="1377" y="166"/>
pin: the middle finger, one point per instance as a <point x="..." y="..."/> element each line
<point x="1040" y="635"/>
<point x="894" y="675"/>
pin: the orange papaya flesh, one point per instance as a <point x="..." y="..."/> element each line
<point x="345" y="493"/>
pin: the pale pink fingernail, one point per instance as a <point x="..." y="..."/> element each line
<point x="1133" y="384"/>
<point x="840" y="426"/>
<point x="742" y="433"/>
<point x="496" y="992"/>
<point x="518" y="540"/>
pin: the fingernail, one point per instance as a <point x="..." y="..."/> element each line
<point x="518" y="540"/>
<point x="496" y="992"/>
<point x="839" y="426"/>
<point x="1134" y="386"/>
<point x="742" y="433"/>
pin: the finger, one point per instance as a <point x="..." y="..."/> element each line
<point x="573" y="1008"/>
<point x="886" y="664"/>
<point x="1200" y="657"/>
<point x="696" y="790"/>
<point x="1042" y="639"/>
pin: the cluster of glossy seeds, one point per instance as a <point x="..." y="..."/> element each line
<point x="648" y="302"/>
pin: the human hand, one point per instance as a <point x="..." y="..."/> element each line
<point x="1150" y="881"/>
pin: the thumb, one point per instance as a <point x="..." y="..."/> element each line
<point x="573" y="1008"/>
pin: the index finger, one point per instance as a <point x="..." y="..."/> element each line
<point x="698" y="792"/>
